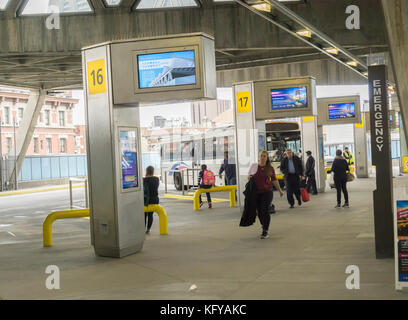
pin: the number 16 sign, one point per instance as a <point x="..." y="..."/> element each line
<point x="96" y="77"/>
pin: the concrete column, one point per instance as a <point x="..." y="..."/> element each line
<point x="360" y="147"/>
<point x="396" y="21"/>
<point x="310" y="134"/>
<point x="26" y="130"/>
<point x="246" y="135"/>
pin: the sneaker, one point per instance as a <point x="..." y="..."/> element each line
<point x="337" y="206"/>
<point x="264" y="235"/>
<point x="299" y="202"/>
<point x="147" y="231"/>
<point x="201" y="204"/>
<point x="291" y="206"/>
<point x="346" y="205"/>
<point x="210" y="205"/>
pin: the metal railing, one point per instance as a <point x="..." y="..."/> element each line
<point x="182" y="172"/>
<point x="85" y="180"/>
<point x="84" y="213"/>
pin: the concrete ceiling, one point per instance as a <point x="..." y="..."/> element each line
<point x="32" y="55"/>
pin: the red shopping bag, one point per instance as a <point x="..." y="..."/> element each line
<point x="305" y="195"/>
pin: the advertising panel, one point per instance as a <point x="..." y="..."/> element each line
<point x="166" y="69"/>
<point x="289" y="98"/>
<point x="342" y="111"/>
<point x="402" y="240"/>
<point x="128" y="150"/>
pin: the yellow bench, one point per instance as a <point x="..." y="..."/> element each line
<point x="83" y="213"/>
<point x="231" y="189"/>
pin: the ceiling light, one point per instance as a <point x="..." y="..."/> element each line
<point x="304" y="33"/>
<point x="332" y="50"/>
<point x="352" y="63"/>
<point x="262" y="7"/>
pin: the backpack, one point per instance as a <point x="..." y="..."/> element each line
<point x="208" y="178"/>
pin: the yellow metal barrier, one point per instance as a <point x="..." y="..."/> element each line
<point x="64" y="214"/>
<point x="231" y="190"/>
<point x="162" y="216"/>
<point x="83" y="213"/>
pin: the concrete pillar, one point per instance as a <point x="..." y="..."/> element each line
<point x="396" y="21"/>
<point x="310" y="142"/>
<point x="360" y="147"/>
<point x="26" y="130"/>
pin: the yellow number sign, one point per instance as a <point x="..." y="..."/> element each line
<point x="243" y="101"/>
<point x="96" y="76"/>
<point x="360" y="125"/>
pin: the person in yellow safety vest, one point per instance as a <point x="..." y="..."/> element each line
<point x="348" y="156"/>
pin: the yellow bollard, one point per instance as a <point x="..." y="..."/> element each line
<point x="230" y="188"/>
<point x="162" y="216"/>
<point x="64" y="214"/>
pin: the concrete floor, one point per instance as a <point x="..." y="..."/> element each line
<point x="305" y="257"/>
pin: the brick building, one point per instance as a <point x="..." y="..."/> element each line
<point x="54" y="134"/>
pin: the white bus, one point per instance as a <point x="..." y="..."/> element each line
<point x="190" y="151"/>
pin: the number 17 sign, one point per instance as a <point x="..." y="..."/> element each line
<point x="243" y="102"/>
<point x="96" y="76"/>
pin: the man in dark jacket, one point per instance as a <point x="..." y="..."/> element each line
<point x="310" y="173"/>
<point x="340" y="168"/>
<point x="292" y="168"/>
<point x="230" y="171"/>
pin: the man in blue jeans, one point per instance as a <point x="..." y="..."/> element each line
<point x="230" y="171"/>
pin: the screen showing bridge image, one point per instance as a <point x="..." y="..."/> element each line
<point x="289" y="98"/>
<point x="166" y="69"/>
<point x="342" y="111"/>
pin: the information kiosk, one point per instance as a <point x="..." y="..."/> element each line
<point x="259" y="101"/>
<point x="119" y="77"/>
<point x="346" y="110"/>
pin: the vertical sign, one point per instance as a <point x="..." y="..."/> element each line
<point x="402" y="244"/>
<point x="381" y="158"/>
<point x="243" y="102"/>
<point x="96" y="77"/>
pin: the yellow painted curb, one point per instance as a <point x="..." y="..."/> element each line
<point x="10" y="193"/>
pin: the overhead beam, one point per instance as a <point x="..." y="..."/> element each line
<point x="396" y="21"/>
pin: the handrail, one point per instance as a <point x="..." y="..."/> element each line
<point x="162" y="216"/>
<point x="83" y="213"/>
<point x="63" y="214"/>
<point x="230" y="188"/>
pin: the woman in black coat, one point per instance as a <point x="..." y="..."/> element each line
<point x="340" y="168"/>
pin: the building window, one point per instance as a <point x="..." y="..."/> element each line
<point x="20" y="114"/>
<point x="35" y="145"/>
<point x="6" y="115"/>
<point x="61" y="118"/>
<point x="47" y="117"/>
<point x="63" y="145"/>
<point x="48" y="145"/>
<point x="8" y="145"/>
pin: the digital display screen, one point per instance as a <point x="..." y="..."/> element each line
<point x="289" y="98"/>
<point x="342" y="111"/>
<point x="166" y="69"/>
<point x="129" y="159"/>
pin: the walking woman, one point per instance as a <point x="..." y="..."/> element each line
<point x="265" y="178"/>
<point x="151" y="186"/>
<point x="340" y="168"/>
